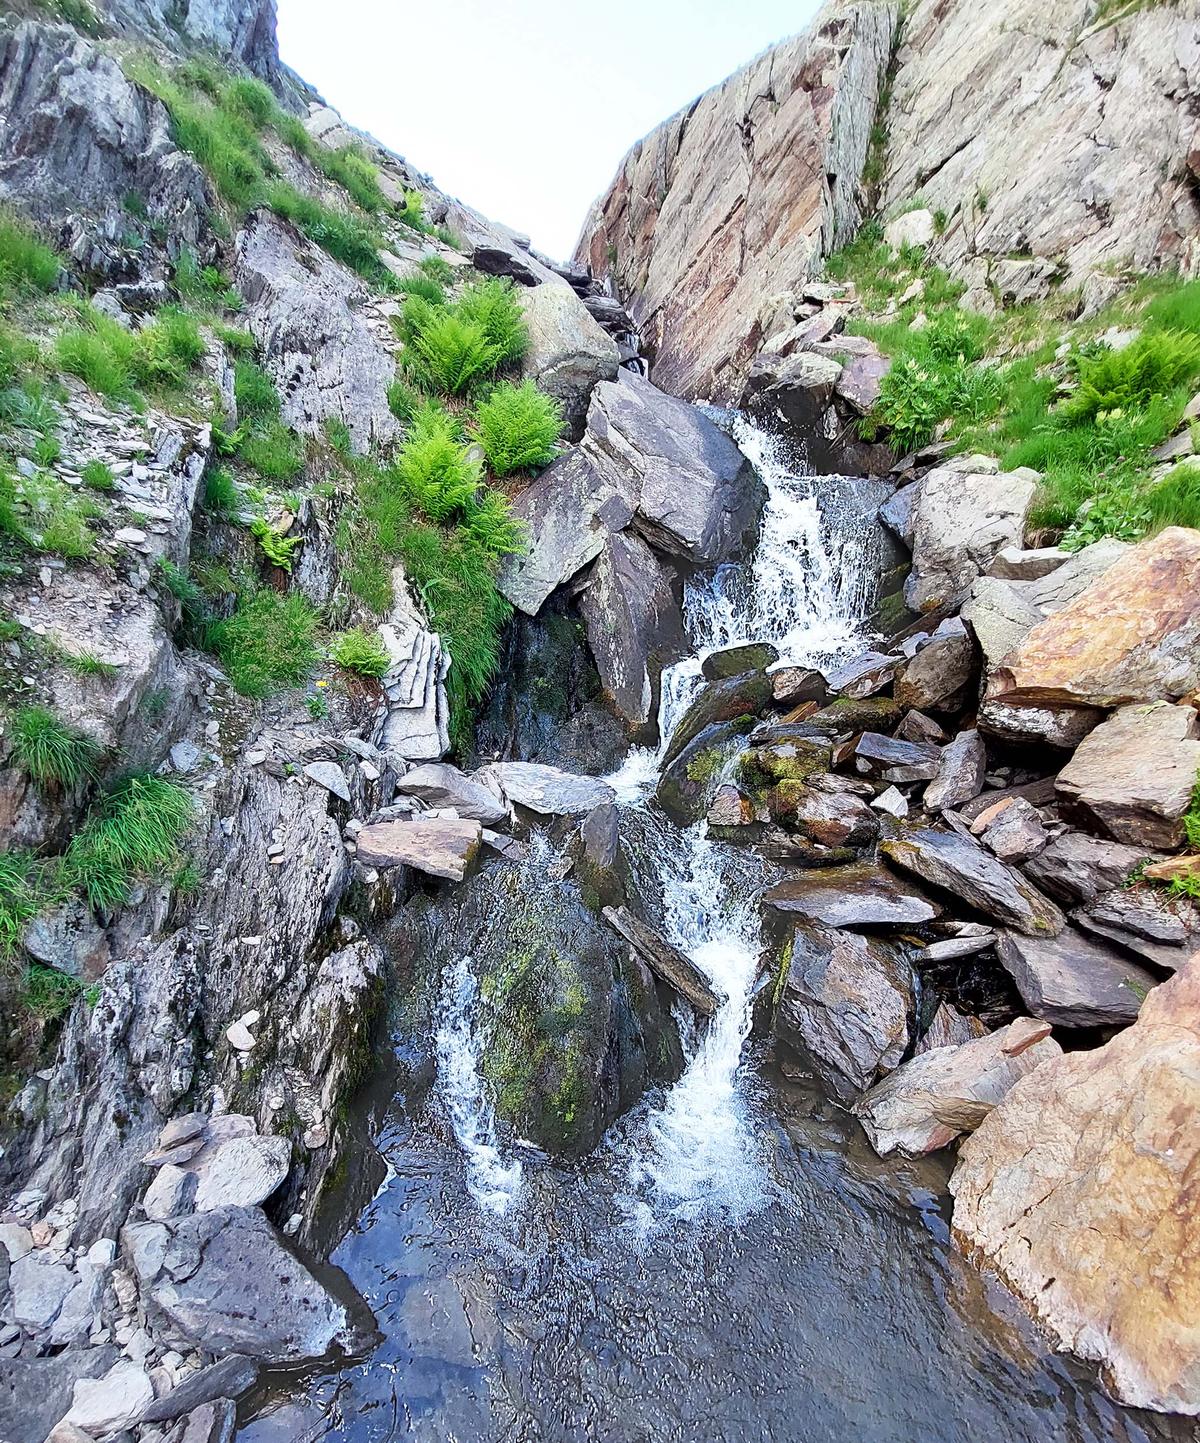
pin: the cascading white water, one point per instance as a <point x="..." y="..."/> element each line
<point x="492" y="1182"/>
<point x="807" y="591"/>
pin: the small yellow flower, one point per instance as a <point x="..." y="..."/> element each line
<point x="322" y="683"/>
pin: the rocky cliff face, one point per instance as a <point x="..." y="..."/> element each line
<point x="737" y="197"/>
<point x="1054" y="147"/>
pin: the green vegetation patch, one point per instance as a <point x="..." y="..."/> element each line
<point x="269" y="643"/>
<point x="360" y="651"/>
<point x="51" y="753"/>
<point x="519" y="428"/>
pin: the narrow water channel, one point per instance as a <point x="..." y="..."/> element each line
<point x="733" y="1263"/>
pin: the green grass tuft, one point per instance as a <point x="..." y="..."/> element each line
<point x="134" y="833"/>
<point x="51" y="753"/>
<point x="98" y="476"/>
<point x="360" y="651"/>
<point x="269" y="643"/>
<point x="27" y="263"/>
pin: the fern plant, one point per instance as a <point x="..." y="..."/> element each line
<point x="493" y="306"/>
<point x="518" y="428"/>
<point x="434" y="468"/>
<point x="362" y="652"/>
<point x="1112" y="381"/>
<point x="449" y="353"/>
<point x="276" y="547"/>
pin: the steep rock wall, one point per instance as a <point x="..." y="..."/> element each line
<point x="1059" y="149"/>
<point x="739" y="195"/>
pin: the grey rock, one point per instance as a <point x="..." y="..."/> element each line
<point x="1077" y="867"/>
<point x="883" y="755"/>
<point x="946" y="1091"/>
<point x="738" y="660"/>
<point x="697" y="496"/>
<point x="937" y="677"/>
<point x="898" y="512"/>
<point x="302" y="307"/>
<point x="247" y="1294"/>
<point x="1013" y="829"/>
<point x="115" y="1401"/>
<point x="1144" y="921"/>
<point x="1073" y="981"/>
<point x="634" y="624"/>
<point x="241" y="1172"/>
<point x="16" y="1240"/>
<point x="416" y="725"/>
<point x="719" y="701"/>
<point x="545" y="790"/>
<point x="960" y="773"/>
<point x="145" y="1244"/>
<point x="863" y="675"/>
<point x="171" y="1194"/>
<point x="568" y="352"/>
<point x="69" y="939"/>
<point x="601" y="835"/>
<point x="330" y="776"/>
<point x="36" y="1392"/>
<point x="1014" y="564"/>
<point x="950" y="1027"/>
<point x="958" y="865"/>
<point x="1135" y="773"/>
<point x="675" y="968"/>
<point x="229" y="1378"/>
<point x="831" y="819"/>
<point x="792" y="685"/>
<point x="859" y="895"/>
<point x="844" y="1007"/>
<point x="962" y="519"/>
<point x="441" y="785"/>
<point x="439" y="847"/>
<point x="859" y="383"/>
<point x="39" y="1288"/>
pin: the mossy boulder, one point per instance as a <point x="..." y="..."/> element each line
<point x="690" y="781"/>
<point x="763" y="767"/>
<point x="738" y="660"/>
<point x="720" y="701"/>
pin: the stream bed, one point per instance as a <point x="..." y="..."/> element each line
<point x="733" y="1263"/>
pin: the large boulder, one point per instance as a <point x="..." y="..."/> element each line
<point x="438" y="784"/>
<point x="303" y="309"/>
<point x="946" y="1091"/>
<point x="1079" y="1189"/>
<point x="438" y="846"/>
<point x="858" y="895"/>
<point x="634" y="623"/>
<point x="845" y="1006"/>
<point x="568" y="353"/>
<point x="549" y="791"/>
<point x="1136" y="773"/>
<point x="1132" y="635"/>
<point x="569" y="512"/>
<point x="719" y="701"/>
<point x="698" y="496"/>
<point x="965" y="513"/>
<point x="1075" y="867"/>
<point x="224" y="1280"/>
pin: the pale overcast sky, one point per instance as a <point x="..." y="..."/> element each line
<point x="520" y="108"/>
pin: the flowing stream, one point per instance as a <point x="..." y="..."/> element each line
<point x="733" y="1264"/>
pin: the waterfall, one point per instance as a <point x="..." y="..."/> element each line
<point x="806" y="590"/>
<point x="492" y="1182"/>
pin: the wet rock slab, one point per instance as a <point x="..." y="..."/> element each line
<point x="438" y="784"/>
<point x="844" y="1007"/>
<point x="676" y="970"/>
<point x="1072" y="980"/>
<point x="960" y="866"/>
<point x="854" y="896"/>
<point x="546" y="790"/>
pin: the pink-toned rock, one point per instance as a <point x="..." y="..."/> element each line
<point x="1080" y="1189"/>
<point x="1132" y="635"/>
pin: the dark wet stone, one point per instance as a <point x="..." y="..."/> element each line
<point x="845" y="1008"/>
<point x="1077" y="867"/>
<point x="738" y="660"/>
<point x="1146" y="922"/>
<point x="864" y="675"/>
<point x="229" y="1378"/>
<point x="861" y="895"/>
<point x="962" y="867"/>
<point x="845" y="715"/>
<point x="688" y="784"/>
<point x="678" y="971"/>
<point x="960" y="773"/>
<point x="1072" y="980"/>
<point x="885" y="755"/>
<point x="825" y="818"/>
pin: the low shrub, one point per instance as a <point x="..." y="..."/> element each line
<point x="360" y="651"/>
<point x="269" y="643"/>
<point x="437" y="268"/>
<point x="49" y="994"/>
<point x="518" y="427"/>
<point x="50" y="753"/>
<point x="1175" y="500"/>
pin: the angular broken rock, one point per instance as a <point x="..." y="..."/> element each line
<point x="441" y="785"/>
<point x="676" y="970"/>
<point x="544" y="789"/>
<point x="241" y="1172"/>
<point x="1135" y="773"/>
<point x="961" y="866"/>
<point x="1132" y="635"/>
<point x="238" y="1290"/>
<point x="950" y="1028"/>
<point x="859" y="895"/>
<point x="1073" y="981"/>
<point x="115" y="1401"/>
<point x="1079" y="1189"/>
<point x="946" y="1091"/>
<point x="864" y="675"/>
<point x="884" y="755"/>
<point x="444" y="847"/>
<point x="960" y="773"/>
<point x="937" y="677"/>
<point x="1077" y="866"/>
<point x="1013" y="829"/>
<point x="1145" y="921"/>
<point x="961" y="520"/>
<point x="844" y="1007"/>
